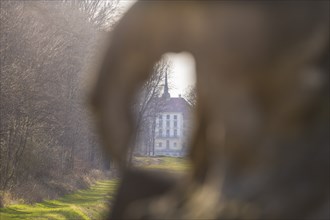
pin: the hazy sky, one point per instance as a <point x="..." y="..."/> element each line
<point x="183" y="72"/>
<point x="183" y="69"/>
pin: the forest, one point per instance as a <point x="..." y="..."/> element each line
<point x="48" y="140"/>
<point x="50" y="52"/>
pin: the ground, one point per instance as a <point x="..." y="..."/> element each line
<point x="174" y="164"/>
<point x="92" y="203"/>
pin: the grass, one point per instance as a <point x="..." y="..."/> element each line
<point x="173" y="164"/>
<point x="84" y="204"/>
<point x="87" y="204"/>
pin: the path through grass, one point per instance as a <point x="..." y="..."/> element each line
<point x="84" y="204"/>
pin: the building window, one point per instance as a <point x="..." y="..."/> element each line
<point x="160" y="132"/>
<point x="167" y="123"/>
<point x="167" y="116"/>
<point x="175" y="124"/>
<point x="160" y="144"/>
<point x="167" y="144"/>
<point x="175" y="132"/>
<point x="167" y="133"/>
<point x="160" y="120"/>
<point x="175" y="117"/>
<point x="174" y="144"/>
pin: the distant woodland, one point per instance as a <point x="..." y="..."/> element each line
<point x="47" y="137"/>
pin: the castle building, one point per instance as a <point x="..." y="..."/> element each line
<point x="171" y="126"/>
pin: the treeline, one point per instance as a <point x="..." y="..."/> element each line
<point x="46" y="129"/>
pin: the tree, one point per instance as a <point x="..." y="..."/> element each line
<point x="44" y="48"/>
<point x="191" y="96"/>
<point x="147" y="105"/>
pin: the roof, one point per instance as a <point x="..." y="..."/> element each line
<point x="166" y="103"/>
<point x="177" y="104"/>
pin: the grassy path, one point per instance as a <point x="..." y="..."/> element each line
<point x="84" y="204"/>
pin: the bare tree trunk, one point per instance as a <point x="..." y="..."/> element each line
<point x="153" y="135"/>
